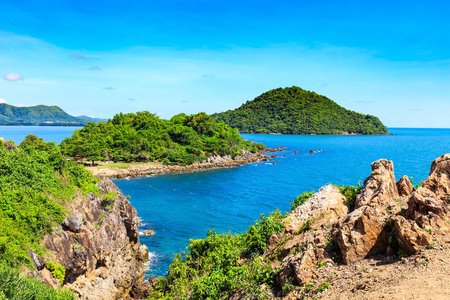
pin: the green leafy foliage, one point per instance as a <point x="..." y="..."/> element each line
<point x="34" y="187"/>
<point x="221" y="264"/>
<point x="350" y="193"/>
<point x="297" y="111"/>
<point x="145" y="137"/>
<point x="16" y="287"/>
<point x="301" y="199"/>
<point x="58" y="271"/>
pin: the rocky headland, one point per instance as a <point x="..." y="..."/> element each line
<point x="393" y="244"/>
<point x="99" y="248"/>
<point x="211" y="162"/>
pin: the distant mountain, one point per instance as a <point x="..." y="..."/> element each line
<point x="296" y="111"/>
<point x="39" y="115"/>
<point x="89" y="119"/>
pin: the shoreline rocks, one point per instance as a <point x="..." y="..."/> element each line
<point x="212" y="162"/>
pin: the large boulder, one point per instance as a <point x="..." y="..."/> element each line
<point x="424" y="201"/>
<point x="404" y="186"/>
<point x="307" y="235"/>
<point x="328" y="200"/>
<point x="362" y="234"/>
<point x="439" y="178"/>
<point x="74" y="222"/>
<point x="410" y="237"/>
<point x="380" y="186"/>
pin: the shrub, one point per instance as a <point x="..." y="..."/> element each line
<point x="301" y="199"/>
<point x="58" y="271"/>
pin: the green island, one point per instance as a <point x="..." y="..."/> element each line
<point x="144" y="137"/>
<point x="296" y="111"/>
<point x="41" y="115"/>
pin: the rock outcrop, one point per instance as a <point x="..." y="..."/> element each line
<point x="99" y="247"/>
<point x="389" y="218"/>
<point x="380" y="186"/>
<point x="361" y="234"/>
<point x="309" y="226"/>
<point x="404" y="186"/>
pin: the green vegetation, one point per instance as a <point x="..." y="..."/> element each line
<point x="350" y="193"/>
<point x="57" y="270"/>
<point x="36" y="182"/>
<point x="39" y="115"/>
<point x="222" y="264"/>
<point x="16" y="287"/>
<point x="145" y="137"/>
<point x="297" y="111"/>
<point x="301" y="199"/>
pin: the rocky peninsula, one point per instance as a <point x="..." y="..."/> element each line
<point x="211" y="162"/>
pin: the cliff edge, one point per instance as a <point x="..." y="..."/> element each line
<point x="99" y="247"/>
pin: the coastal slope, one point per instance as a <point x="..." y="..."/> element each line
<point x="294" y="110"/>
<point x="368" y="242"/>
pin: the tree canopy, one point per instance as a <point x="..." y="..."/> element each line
<point x="297" y="111"/>
<point x="143" y="136"/>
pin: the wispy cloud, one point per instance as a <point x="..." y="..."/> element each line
<point x="109" y="88"/>
<point x="95" y="68"/>
<point x="131" y="99"/>
<point x="13" y="77"/>
<point x="82" y="57"/>
<point x="2" y="100"/>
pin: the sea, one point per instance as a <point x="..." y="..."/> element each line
<point x="180" y="207"/>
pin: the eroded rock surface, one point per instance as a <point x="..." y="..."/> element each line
<point x="99" y="247"/>
<point x="362" y="234"/>
<point x="404" y="186"/>
<point x="409" y="235"/>
<point x="380" y="186"/>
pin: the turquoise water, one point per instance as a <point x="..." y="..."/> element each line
<point x="184" y="206"/>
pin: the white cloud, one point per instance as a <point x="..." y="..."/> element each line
<point x="13" y="76"/>
<point x="2" y="100"/>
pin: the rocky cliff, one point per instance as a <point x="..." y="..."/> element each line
<point x="331" y="248"/>
<point x="98" y="245"/>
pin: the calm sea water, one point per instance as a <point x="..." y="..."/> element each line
<point x="184" y="206"/>
<point x="48" y="133"/>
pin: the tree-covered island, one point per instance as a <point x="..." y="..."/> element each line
<point x="296" y="111"/>
<point x="144" y="137"/>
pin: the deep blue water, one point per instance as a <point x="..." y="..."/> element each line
<point x="184" y="206"/>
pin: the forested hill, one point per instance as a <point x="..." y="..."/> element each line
<point x="296" y="111"/>
<point x="39" y="115"/>
<point x="144" y="137"/>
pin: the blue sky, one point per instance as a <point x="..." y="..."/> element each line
<point x="386" y="58"/>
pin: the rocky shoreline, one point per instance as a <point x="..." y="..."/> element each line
<point x="212" y="162"/>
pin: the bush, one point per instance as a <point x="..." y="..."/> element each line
<point x="301" y="199"/>
<point x="16" y="287"/>
<point x="58" y="271"/>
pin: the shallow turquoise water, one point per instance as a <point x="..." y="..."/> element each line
<point x="184" y="206"/>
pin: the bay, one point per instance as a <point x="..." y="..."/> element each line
<point x="179" y="207"/>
